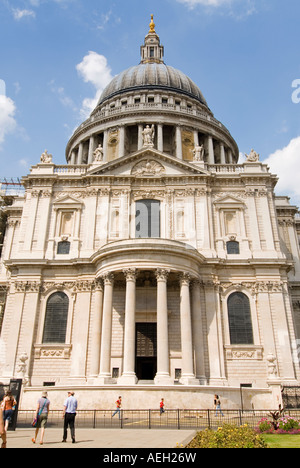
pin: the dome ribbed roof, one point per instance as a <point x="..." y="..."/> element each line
<point x="155" y="76"/>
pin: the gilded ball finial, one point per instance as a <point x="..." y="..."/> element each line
<point x="152" y="25"/>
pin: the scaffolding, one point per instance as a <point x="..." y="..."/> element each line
<point x="11" y="187"/>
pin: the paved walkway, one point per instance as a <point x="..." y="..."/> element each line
<point x="103" y="438"/>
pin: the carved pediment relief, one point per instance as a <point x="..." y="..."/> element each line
<point x="148" y="167"/>
<point x="147" y="162"/>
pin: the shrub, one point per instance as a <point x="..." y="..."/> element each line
<point x="265" y="425"/>
<point x="284" y="425"/>
<point x="228" y="436"/>
<point x="288" y="424"/>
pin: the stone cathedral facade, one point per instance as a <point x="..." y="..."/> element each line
<point x="152" y="262"/>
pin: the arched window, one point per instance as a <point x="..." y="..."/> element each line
<point x="147" y="218"/>
<point x="56" y="318"/>
<point x="239" y="316"/>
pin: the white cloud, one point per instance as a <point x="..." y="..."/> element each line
<point x="20" y="14"/>
<point x="94" y="69"/>
<point x="212" y="3"/>
<point x="7" y="117"/>
<point x="60" y="92"/>
<point x="2" y="88"/>
<point x="238" y="9"/>
<point x="285" y="163"/>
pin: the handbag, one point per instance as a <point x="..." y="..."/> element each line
<point x="35" y="421"/>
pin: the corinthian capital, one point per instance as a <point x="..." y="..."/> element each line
<point x="108" y="278"/>
<point x="185" y="279"/>
<point x="161" y="274"/>
<point x="130" y="274"/>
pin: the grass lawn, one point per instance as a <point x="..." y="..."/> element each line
<point x="282" y="440"/>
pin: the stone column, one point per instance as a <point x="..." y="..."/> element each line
<point x="140" y="136"/>
<point x="105" y="356"/>
<point x="187" y="373"/>
<point x="178" y="143"/>
<point x="11" y="327"/>
<point x="222" y="154"/>
<point x="27" y="326"/>
<point x="80" y="153"/>
<point x="105" y="140"/>
<point x="163" y="366"/>
<point x="91" y="150"/>
<point x="197" y="328"/>
<point x="30" y="221"/>
<point x="80" y="333"/>
<point x="160" y="141"/>
<point x="122" y="142"/>
<point x="211" y="154"/>
<point x="128" y="377"/>
<point x="96" y="329"/>
<point x="214" y="339"/>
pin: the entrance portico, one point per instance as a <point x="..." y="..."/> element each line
<point x="146" y="350"/>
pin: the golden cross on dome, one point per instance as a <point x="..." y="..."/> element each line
<point x="152" y="25"/>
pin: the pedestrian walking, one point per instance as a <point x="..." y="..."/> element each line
<point x="119" y="406"/>
<point x="2" y="430"/>
<point x="8" y="406"/>
<point x="217" y="404"/>
<point x="42" y="411"/>
<point x="69" y="414"/>
<point x="162" y="406"/>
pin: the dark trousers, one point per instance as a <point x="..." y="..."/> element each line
<point x="69" y="421"/>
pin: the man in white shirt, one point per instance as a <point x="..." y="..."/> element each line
<point x="69" y="414"/>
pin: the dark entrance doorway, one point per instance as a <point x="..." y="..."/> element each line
<point x="146" y="351"/>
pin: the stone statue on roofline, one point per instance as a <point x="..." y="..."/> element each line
<point x="252" y="156"/>
<point x="46" y="158"/>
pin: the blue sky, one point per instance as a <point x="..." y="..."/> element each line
<point x="57" y="55"/>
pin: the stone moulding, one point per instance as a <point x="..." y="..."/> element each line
<point x="243" y="352"/>
<point x="55" y="351"/>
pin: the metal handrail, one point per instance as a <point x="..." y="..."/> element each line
<point x="197" y="419"/>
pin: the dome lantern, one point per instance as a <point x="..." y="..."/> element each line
<point x="152" y="51"/>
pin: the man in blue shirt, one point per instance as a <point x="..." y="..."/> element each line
<point x="69" y="414"/>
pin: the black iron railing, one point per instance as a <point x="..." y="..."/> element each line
<point x="152" y="419"/>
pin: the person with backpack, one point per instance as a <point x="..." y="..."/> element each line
<point x="42" y="412"/>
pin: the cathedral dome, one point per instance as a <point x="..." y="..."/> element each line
<point x="152" y="75"/>
<point x="152" y="93"/>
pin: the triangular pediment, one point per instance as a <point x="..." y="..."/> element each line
<point x="229" y="201"/>
<point x="147" y="162"/>
<point x="67" y="201"/>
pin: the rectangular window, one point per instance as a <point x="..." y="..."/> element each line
<point x="63" y="248"/>
<point x="147" y="218"/>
